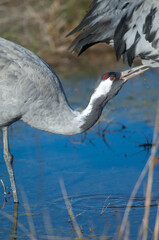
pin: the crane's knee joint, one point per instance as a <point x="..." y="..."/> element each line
<point x="8" y="158"/>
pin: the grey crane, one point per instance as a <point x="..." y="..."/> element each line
<point x="131" y="26"/>
<point x="31" y="91"/>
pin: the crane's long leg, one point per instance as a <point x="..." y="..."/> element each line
<point x="9" y="162"/>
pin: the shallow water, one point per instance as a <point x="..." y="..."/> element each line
<point x="99" y="168"/>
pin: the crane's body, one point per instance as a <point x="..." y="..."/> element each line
<point x="131" y="26"/>
<point x="27" y="83"/>
<point x="31" y="91"/>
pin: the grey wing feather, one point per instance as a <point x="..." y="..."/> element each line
<point x="137" y="34"/>
<point x="99" y="24"/>
<point x="131" y="26"/>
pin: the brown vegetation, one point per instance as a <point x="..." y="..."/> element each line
<point x="41" y="26"/>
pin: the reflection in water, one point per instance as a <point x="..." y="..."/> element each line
<point x="14" y="220"/>
<point x="13" y="235"/>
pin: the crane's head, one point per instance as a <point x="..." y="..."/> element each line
<point x="110" y="83"/>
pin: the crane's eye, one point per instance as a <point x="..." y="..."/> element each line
<point x="112" y="78"/>
<point x="105" y="76"/>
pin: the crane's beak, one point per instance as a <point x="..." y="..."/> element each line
<point x="125" y="75"/>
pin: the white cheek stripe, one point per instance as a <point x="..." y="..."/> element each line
<point x="102" y="90"/>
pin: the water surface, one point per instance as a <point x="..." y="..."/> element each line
<point x="99" y="168"/>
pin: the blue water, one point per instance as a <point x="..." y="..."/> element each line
<point x="98" y="167"/>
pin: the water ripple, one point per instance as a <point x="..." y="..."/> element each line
<point x="100" y="201"/>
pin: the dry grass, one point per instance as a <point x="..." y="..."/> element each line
<point x="24" y="22"/>
<point x="40" y="25"/>
<point x="156" y="228"/>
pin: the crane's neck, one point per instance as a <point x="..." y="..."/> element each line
<point x="63" y="120"/>
<point x="82" y="121"/>
<point x="75" y="122"/>
<point x="89" y="116"/>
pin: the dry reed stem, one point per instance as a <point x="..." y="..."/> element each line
<point x="69" y="209"/>
<point x="5" y="194"/>
<point x="147" y="201"/>
<point x="156" y="229"/>
<point x="47" y="223"/>
<point x="148" y="165"/>
<point x="79" y="214"/>
<point x="29" y="216"/>
<point x="130" y="202"/>
<point x="105" y="206"/>
<point x="150" y="176"/>
<point x="127" y="232"/>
